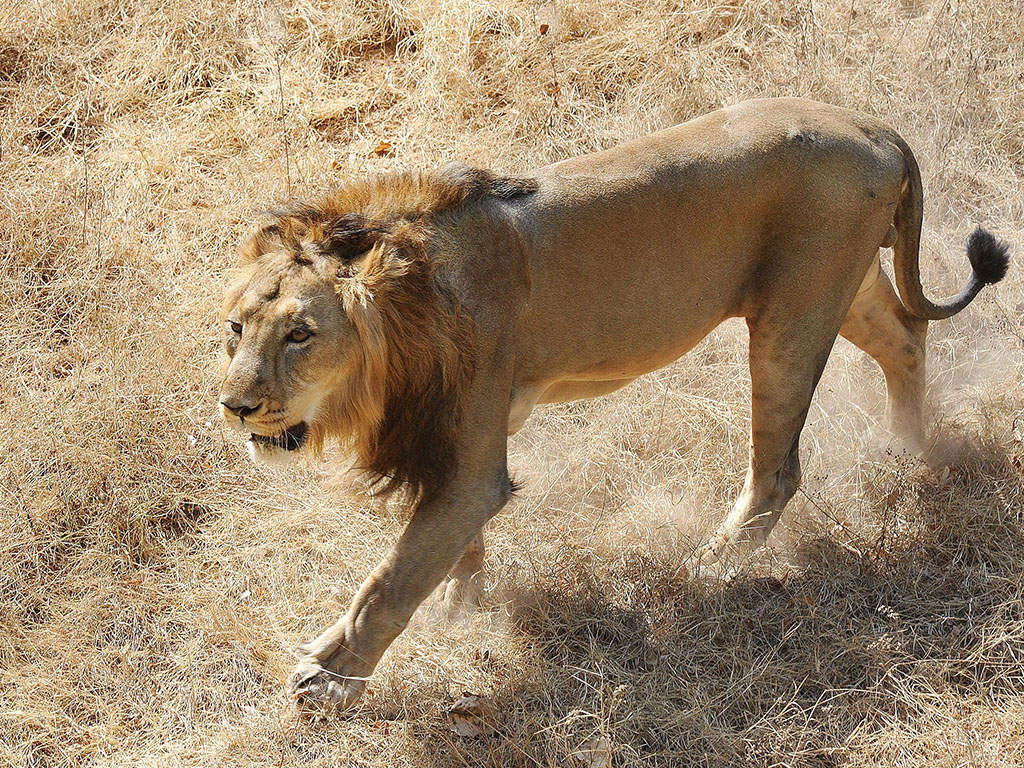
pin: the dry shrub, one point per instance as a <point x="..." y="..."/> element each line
<point x="154" y="583"/>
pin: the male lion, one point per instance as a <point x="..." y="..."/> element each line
<point x="419" y="318"/>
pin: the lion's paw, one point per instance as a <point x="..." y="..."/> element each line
<point x="461" y="597"/>
<point x="318" y="690"/>
<point x="731" y="544"/>
<point x="718" y="547"/>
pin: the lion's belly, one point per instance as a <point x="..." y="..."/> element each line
<point x="581" y="372"/>
<point x="525" y="397"/>
<point x="633" y="351"/>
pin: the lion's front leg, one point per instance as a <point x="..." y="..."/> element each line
<point x="333" y="668"/>
<point x="332" y="672"/>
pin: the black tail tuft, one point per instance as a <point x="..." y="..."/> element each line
<point x="988" y="254"/>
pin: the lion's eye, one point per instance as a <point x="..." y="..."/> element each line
<point x="236" y="328"/>
<point x="299" y="335"/>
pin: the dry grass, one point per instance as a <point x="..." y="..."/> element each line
<point x="153" y="584"/>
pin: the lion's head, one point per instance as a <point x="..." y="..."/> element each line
<point x="339" y="328"/>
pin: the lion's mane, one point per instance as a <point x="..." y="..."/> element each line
<point x="400" y="406"/>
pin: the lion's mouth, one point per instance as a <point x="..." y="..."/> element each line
<point x="290" y="440"/>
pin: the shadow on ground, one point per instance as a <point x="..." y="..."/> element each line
<point x="802" y="663"/>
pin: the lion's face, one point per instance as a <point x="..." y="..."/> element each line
<point x="288" y="343"/>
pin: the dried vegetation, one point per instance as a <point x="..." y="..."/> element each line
<point x="153" y="584"/>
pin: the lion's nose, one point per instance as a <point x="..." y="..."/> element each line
<point x="240" y="408"/>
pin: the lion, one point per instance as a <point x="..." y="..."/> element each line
<point x="419" y="317"/>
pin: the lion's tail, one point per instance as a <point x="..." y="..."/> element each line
<point x="988" y="255"/>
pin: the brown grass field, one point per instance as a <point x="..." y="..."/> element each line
<point x="154" y="582"/>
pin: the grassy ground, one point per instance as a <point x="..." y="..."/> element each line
<point x="154" y="583"/>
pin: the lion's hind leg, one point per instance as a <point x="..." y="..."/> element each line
<point x="787" y="357"/>
<point x="464" y="587"/>
<point x="879" y="324"/>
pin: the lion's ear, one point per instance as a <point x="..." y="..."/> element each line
<point x="267" y="238"/>
<point x="349" y="236"/>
